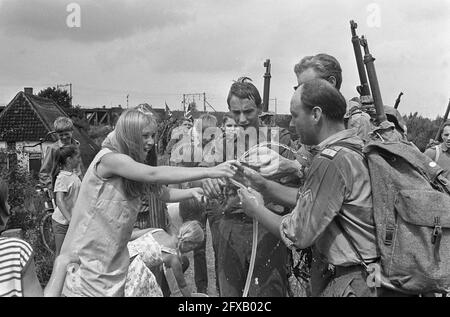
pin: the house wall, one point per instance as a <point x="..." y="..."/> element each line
<point x="23" y="155"/>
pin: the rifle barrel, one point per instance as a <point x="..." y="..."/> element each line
<point x="397" y="102"/>
<point x="266" y="93"/>
<point x="373" y="79"/>
<point x="364" y="89"/>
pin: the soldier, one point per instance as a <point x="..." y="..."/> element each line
<point x="270" y="275"/>
<point x="441" y="153"/>
<point x="337" y="189"/>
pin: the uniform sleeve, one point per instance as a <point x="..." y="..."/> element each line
<point x="318" y="202"/>
<point x="62" y="184"/>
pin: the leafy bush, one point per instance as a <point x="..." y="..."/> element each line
<point x="27" y="209"/>
<point x="99" y="133"/>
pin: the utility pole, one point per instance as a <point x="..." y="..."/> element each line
<point x="127" y="100"/>
<point x="70" y="90"/>
<point x="184" y="103"/>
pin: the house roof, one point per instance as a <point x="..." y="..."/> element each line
<point x="29" y="118"/>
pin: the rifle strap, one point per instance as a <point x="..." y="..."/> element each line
<point x="351" y="242"/>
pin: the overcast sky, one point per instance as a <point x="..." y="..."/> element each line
<point x="157" y="50"/>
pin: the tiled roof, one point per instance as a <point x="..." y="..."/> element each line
<point x="29" y="118"/>
<point x="20" y="122"/>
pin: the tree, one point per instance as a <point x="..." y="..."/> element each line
<point x="61" y="97"/>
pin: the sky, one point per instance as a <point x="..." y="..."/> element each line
<point x="156" y="51"/>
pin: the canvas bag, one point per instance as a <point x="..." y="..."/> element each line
<point x="412" y="216"/>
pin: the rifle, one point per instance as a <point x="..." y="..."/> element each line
<point x="397" y="102"/>
<point x="267" y="77"/>
<point x="443" y="122"/>
<point x="363" y="89"/>
<point x="373" y="80"/>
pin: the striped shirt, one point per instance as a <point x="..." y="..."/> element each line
<point x="15" y="256"/>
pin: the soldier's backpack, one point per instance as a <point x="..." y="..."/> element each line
<point x="411" y="202"/>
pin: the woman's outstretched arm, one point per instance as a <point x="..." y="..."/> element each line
<point x="124" y="166"/>
<point x="173" y="195"/>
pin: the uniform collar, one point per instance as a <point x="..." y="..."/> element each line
<point x="444" y="147"/>
<point x="344" y="134"/>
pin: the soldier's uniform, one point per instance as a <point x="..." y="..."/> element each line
<point x="235" y="243"/>
<point x="441" y="155"/>
<point x="337" y="182"/>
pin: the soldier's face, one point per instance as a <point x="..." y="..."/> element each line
<point x="245" y="112"/>
<point x="446" y="135"/>
<point x="303" y="120"/>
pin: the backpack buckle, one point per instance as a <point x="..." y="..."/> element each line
<point x="437" y="230"/>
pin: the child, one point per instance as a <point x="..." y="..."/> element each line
<point x="109" y="200"/>
<point x="17" y="271"/>
<point x="150" y="248"/>
<point x="66" y="190"/>
<point x="49" y="170"/>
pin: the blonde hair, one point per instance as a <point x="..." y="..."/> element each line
<point x="190" y="231"/>
<point x="127" y="139"/>
<point x="63" y="124"/>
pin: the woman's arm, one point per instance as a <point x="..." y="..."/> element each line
<point x="172" y="195"/>
<point x="124" y="166"/>
<point x="62" y="205"/>
<point x="56" y="282"/>
<point x="177" y="270"/>
<point x="30" y="282"/>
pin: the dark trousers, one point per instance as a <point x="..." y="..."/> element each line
<point x="59" y="232"/>
<point x="269" y="277"/>
<point x="214" y="220"/>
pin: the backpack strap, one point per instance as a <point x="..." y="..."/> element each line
<point x="351" y="242"/>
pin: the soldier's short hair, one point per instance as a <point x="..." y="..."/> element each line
<point x="325" y="65"/>
<point x="63" y="124"/>
<point x="320" y="93"/>
<point x="244" y="89"/>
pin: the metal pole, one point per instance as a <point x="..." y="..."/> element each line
<point x="204" y="102"/>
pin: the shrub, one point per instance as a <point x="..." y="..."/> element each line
<point x="27" y="209"/>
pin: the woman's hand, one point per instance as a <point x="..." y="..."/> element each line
<point x="227" y="169"/>
<point x="198" y="194"/>
<point x="251" y="200"/>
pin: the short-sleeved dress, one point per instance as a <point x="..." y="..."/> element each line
<point x="145" y="253"/>
<point x="100" y="228"/>
<point x="15" y="257"/>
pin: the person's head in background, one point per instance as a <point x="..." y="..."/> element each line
<point x="207" y="126"/>
<point x="318" y="110"/>
<point x="68" y="157"/>
<point x="228" y="123"/>
<point x="133" y="135"/>
<point x="244" y="103"/>
<point x="4" y="206"/>
<point x="445" y="135"/>
<point x="186" y="123"/>
<point x="190" y="236"/>
<point x="63" y="127"/>
<point x="322" y="66"/>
